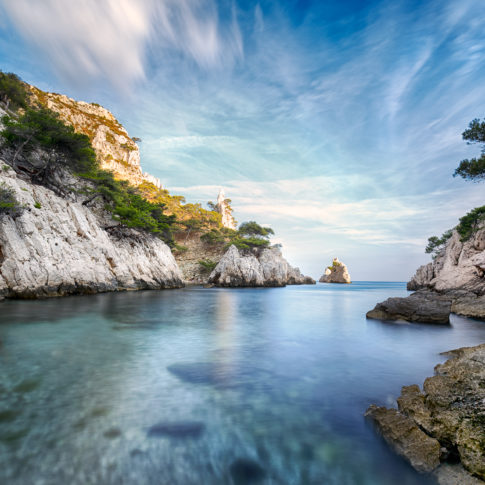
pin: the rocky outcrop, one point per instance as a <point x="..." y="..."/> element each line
<point x="337" y="273"/>
<point x="460" y="266"/>
<point x="115" y="149"/>
<point x="59" y="246"/>
<point x="406" y="438"/>
<point x="451" y="410"/>
<point x="195" y="250"/>
<point x="265" y="267"/>
<point x="422" y="306"/>
<point x="224" y="209"/>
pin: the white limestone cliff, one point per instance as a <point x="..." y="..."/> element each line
<point x="266" y="267"/>
<point x="58" y="247"/>
<point x="115" y="149"/>
<point x="460" y="266"/>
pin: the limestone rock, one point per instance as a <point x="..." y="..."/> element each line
<point x="266" y="267"/>
<point x="407" y="440"/>
<point x="115" y="149"/>
<point x="337" y="273"/>
<point x="423" y="307"/>
<point x="451" y="409"/>
<point x="58" y="247"/>
<point x="223" y="207"/>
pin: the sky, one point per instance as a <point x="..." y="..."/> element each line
<point x="336" y="123"/>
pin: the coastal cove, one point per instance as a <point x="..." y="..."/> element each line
<point x="204" y="385"/>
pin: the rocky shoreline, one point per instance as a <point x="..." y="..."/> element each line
<point x="442" y="428"/>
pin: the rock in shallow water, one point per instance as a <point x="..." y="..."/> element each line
<point x="196" y="372"/>
<point x="422" y="307"/>
<point x="180" y="429"/>
<point x="406" y="438"/>
<point x="451" y="410"/>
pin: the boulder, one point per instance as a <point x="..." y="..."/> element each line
<point x="422" y="307"/>
<point x="337" y="273"/>
<point x="267" y="267"/>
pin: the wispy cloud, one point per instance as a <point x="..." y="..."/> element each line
<point x="107" y="40"/>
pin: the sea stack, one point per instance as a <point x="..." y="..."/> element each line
<point x="337" y="273"/>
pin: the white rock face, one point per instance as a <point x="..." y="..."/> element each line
<point x="61" y="248"/>
<point x="115" y="149"/>
<point x="226" y="213"/>
<point x="459" y="266"/>
<point x="337" y="273"/>
<point x="244" y="268"/>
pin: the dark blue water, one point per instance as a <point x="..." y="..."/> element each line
<point x="209" y="386"/>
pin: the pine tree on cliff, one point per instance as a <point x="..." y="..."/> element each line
<point x="473" y="169"/>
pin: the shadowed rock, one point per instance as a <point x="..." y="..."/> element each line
<point x="245" y="472"/>
<point x="182" y="429"/>
<point x="423" y="307"/>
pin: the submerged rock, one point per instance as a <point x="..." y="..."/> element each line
<point x="181" y="429"/>
<point x="422" y="307"/>
<point x="265" y="267"/>
<point x="196" y="372"/>
<point x="451" y="409"/>
<point x="246" y="472"/>
<point x="337" y="273"/>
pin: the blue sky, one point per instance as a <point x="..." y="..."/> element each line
<point x="337" y="123"/>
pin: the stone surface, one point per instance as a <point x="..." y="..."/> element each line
<point x="451" y="409"/>
<point x="337" y="273"/>
<point x="61" y="247"/>
<point x="224" y="209"/>
<point x="423" y="307"/>
<point x="457" y="271"/>
<point x="265" y="267"/>
<point x="115" y="149"/>
<point x="407" y="440"/>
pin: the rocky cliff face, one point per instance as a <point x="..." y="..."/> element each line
<point x="445" y="422"/>
<point x="337" y="273"/>
<point x="115" y="149"/>
<point x="263" y="268"/>
<point x="58" y="247"/>
<point x="460" y="266"/>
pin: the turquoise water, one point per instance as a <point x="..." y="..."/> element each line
<point x="209" y="386"/>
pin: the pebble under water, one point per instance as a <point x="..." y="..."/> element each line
<point x="209" y="386"/>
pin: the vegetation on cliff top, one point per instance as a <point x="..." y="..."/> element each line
<point x="474" y="170"/>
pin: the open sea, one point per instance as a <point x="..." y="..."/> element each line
<point x="210" y="386"/>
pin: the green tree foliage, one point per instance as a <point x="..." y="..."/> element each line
<point x="13" y="92"/>
<point x="207" y="265"/>
<point x="470" y="222"/>
<point x="9" y="205"/>
<point x="250" y="235"/>
<point x="42" y="128"/>
<point x="436" y="244"/>
<point x="473" y="169"/>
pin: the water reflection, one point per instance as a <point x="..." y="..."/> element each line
<point x="208" y="386"/>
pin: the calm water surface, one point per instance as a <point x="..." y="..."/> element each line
<point x="209" y="386"/>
